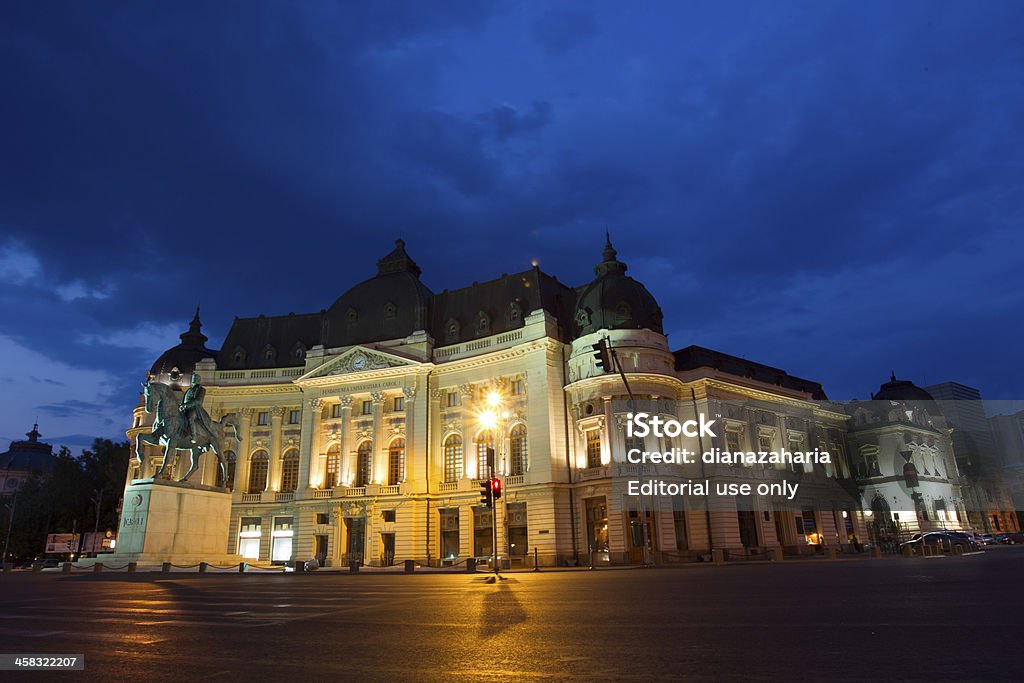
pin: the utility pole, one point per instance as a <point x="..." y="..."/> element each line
<point x="10" y="523"/>
<point x="645" y="538"/>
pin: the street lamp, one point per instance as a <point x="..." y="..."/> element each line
<point x="493" y="419"/>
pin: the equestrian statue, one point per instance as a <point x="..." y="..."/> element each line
<point x="184" y="426"/>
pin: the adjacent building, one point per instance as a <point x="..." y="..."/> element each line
<point x="23" y="460"/>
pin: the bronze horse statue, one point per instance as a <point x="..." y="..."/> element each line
<point x="170" y="431"/>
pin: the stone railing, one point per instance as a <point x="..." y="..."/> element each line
<point x="252" y="497"/>
<point x="448" y="486"/>
<point x="323" y="493"/>
<point x="284" y="496"/>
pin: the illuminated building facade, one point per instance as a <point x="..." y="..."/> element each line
<point x="364" y="438"/>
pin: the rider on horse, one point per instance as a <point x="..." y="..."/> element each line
<point x="196" y="420"/>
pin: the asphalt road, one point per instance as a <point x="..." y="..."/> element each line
<point x="948" y="618"/>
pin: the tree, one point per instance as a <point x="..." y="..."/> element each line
<point x="64" y="500"/>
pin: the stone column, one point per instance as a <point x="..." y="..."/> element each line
<point x="309" y="445"/>
<point x="242" y="455"/>
<point x="378" y="472"/>
<point x="470" y="428"/>
<point x="607" y="431"/>
<point x="274" y="475"/>
<point x="410" y="409"/>
<point x="347" y="471"/>
<point x="434" y="458"/>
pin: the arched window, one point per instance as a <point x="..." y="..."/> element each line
<point x="364" y="459"/>
<point x="452" y="458"/>
<point x="229" y="464"/>
<point x="333" y="474"/>
<point x="518" y="453"/>
<point x="290" y="470"/>
<point x="396" y="462"/>
<point x="258" y="466"/>
<point x="484" y="440"/>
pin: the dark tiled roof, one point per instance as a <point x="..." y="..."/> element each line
<point x="30" y="456"/>
<point x="699" y="357"/>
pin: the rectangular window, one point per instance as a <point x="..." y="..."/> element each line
<point x="249" y="538"/>
<point x="732" y="440"/>
<point x="293" y="417"/>
<point x="263" y="418"/>
<point x="388" y="515"/>
<point x="517" y="387"/>
<point x="367" y="407"/>
<point x="453" y="399"/>
<point x="594" y="448"/>
<point x="399" y="404"/>
<point x="281" y="540"/>
<point x="336" y="410"/>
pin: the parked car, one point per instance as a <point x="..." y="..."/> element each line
<point x="988" y="539"/>
<point x="954" y="542"/>
<point x="1010" y="538"/>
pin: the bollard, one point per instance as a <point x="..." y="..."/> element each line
<point x="98" y="567"/>
<point x="536" y="564"/>
<point x="203" y="567"/>
<point x="132" y="566"/>
<point x="8" y="567"/>
<point x="66" y="567"/>
<point x="410" y="566"/>
<point x="830" y="552"/>
<point x="876" y="552"/>
<point x="470" y="565"/>
<point x="37" y="566"/>
<point x="775" y="555"/>
<point x="243" y="567"/>
<point x="299" y="566"/>
<point x="165" y="567"/>
<point x="718" y="556"/>
<point x="353" y="567"/>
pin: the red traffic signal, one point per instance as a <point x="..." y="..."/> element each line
<point x="495" y="488"/>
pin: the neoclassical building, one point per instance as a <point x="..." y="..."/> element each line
<point x="365" y="428"/>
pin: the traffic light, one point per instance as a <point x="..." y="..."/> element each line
<point x="485" y="492"/>
<point x="495" y="489"/>
<point x="602" y="357"/>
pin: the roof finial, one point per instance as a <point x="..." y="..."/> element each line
<point x="196" y="318"/>
<point x="892" y="375"/>
<point x="609" y="251"/>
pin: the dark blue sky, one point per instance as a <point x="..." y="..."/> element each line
<point x="830" y="188"/>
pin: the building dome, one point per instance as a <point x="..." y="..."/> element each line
<point x="179" y="361"/>
<point x="392" y="304"/>
<point x="901" y="390"/>
<point x="615" y="301"/>
<point x="909" y="394"/>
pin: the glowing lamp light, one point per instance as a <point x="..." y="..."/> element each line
<point x="489" y="419"/>
<point x="494" y="399"/>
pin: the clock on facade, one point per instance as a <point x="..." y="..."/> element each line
<point x="359" y="362"/>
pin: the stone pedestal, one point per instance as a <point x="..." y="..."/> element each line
<point x="176" y="522"/>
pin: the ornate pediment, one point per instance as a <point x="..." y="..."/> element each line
<point x="356" y="360"/>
